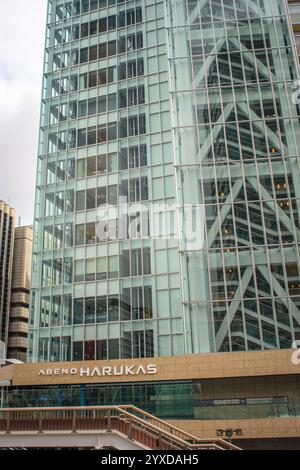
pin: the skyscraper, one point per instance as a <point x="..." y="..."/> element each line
<point x="7" y="226"/>
<point x="20" y="293"/>
<point x="15" y="275"/>
<point x="186" y="104"/>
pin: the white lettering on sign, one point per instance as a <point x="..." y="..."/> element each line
<point x="102" y="371"/>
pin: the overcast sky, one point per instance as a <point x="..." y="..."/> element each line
<point x="21" y="64"/>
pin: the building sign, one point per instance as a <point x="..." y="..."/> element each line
<point x="149" y="369"/>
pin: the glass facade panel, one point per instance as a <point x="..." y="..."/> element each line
<point x="174" y="103"/>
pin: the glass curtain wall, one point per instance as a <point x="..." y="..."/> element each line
<point x="105" y="135"/>
<point x="175" y="102"/>
<point x="236" y="146"/>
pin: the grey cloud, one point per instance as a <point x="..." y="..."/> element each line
<point x="21" y="61"/>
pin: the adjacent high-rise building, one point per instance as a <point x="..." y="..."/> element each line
<point x="7" y="231"/>
<point x="15" y="275"/>
<point x="294" y="10"/>
<point x="20" y="294"/>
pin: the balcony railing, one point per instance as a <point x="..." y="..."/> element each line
<point x="128" y="420"/>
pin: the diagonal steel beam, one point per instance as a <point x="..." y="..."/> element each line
<point x="258" y="123"/>
<point x="270" y="202"/>
<point x="251" y="58"/>
<point x="281" y="292"/>
<point x="224" y="211"/>
<point x="197" y="11"/>
<point x="204" y="149"/>
<point x="236" y="300"/>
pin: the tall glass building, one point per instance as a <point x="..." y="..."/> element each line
<point x="184" y="104"/>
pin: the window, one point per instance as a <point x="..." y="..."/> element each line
<point x="102" y="77"/>
<point x="102" y="51"/>
<point x="112" y="162"/>
<point x="143" y="345"/>
<point x="77" y="350"/>
<point x="102" y="349"/>
<point x="113" y="267"/>
<point x="112" y="48"/>
<point x="113" y="308"/>
<point x="101" y="196"/>
<point x="134" y="191"/>
<point x="84" y="30"/>
<point x="92" y="80"/>
<point x="90" y="269"/>
<point x="81" y="138"/>
<point x="136" y="262"/>
<point x="84" y="55"/>
<point x="81" y="164"/>
<point x="91" y="198"/>
<point x="93" y="53"/>
<point x="91" y="166"/>
<point x="101" y="310"/>
<point x="79" y="271"/>
<point x="113" y="349"/>
<point x="140" y="262"/>
<point x="101" y="134"/>
<point x="90" y="310"/>
<point x="137" y="303"/>
<point x="92" y="106"/>
<point x="101" y="164"/>
<point x="112" y="131"/>
<point x="131" y="42"/>
<point x="79" y="234"/>
<point x="89" y="350"/>
<point x="101" y="268"/>
<point x="93" y="27"/>
<point x="133" y="157"/>
<point x="111" y="22"/>
<point x="113" y="195"/>
<point x="80" y="200"/>
<point x="92" y="134"/>
<point x="78" y="311"/>
<point x="102" y="25"/>
<point x="90" y="233"/>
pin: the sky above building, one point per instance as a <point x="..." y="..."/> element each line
<point x="22" y="34"/>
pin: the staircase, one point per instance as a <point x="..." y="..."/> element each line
<point x="39" y="426"/>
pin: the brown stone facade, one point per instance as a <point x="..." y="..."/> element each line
<point x="223" y="375"/>
<point x="198" y="366"/>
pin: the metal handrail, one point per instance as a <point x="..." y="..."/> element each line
<point x="186" y="435"/>
<point x="145" y="422"/>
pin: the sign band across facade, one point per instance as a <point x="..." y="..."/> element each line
<point x="101" y="371"/>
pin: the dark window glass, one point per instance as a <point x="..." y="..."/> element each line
<point x="92" y="79"/>
<point x="84" y="55"/>
<point x="92" y="135"/>
<point x="84" y="30"/>
<point x="78" y="311"/>
<point x="101" y="310"/>
<point x="101" y="349"/>
<point x="91" y="198"/>
<point x="90" y="234"/>
<point x="81" y="141"/>
<point x="93" y="53"/>
<point x="90" y="310"/>
<point x="89" y="350"/>
<point x="102" y="51"/>
<point x="77" y="350"/>
<point x="93" y="27"/>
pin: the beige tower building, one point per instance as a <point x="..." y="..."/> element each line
<point x="7" y="229"/>
<point x="15" y="273"/>
<point x="294" y="8"/>
<point x="20" y="292"/>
